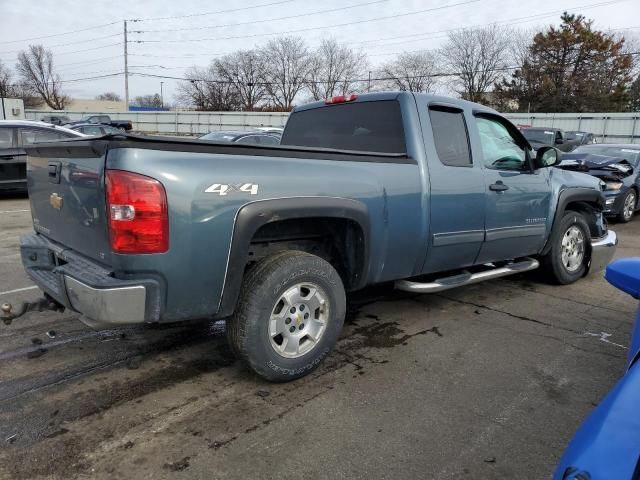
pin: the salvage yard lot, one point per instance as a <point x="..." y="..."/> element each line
<point x="486" y="381"/>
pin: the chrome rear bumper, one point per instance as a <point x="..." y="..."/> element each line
<point x="88" y="288"/>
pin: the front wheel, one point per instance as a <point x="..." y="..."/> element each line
<point x="289" y="315"/>
<point x="628" y="207"/>
<point x="567" y="259"/>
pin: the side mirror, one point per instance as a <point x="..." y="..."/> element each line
<point x="547" y="157"/>
<point x="559" y="141"/>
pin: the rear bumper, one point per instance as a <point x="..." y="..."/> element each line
<point x="87" y="287"/>
<point x="602" y="251"/>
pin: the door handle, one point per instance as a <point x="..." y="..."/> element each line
<point x="498" y="186"/>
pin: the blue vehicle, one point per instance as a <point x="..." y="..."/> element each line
<point x="619" y="167"/>
<point x="430" y="192"/>
<point x="607" y="445"/>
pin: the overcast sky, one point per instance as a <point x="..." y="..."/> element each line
<point x="205" y="32"/>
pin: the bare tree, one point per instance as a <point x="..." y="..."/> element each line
<point x="205" y="90"/>
<point x="334" y="69"/>
<point x="414" y="72"/>
<point x="152" y="100"/>
<point x="17" y="90"/>
<point x="35" y="67"/>
<point x="6" y="86"/>
<point x="109" y="97"/>
<point x="477" y="59"/>
<point x="287" y="63"/>
<point x="244" y="70"/>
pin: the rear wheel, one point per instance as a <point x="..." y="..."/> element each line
<point x="289" y="316"/>
<point x="628" y="207"/>
<point x="566" y="261"/>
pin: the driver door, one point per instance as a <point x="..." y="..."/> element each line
<point x="517" y="197"/>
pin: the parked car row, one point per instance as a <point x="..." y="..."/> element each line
<point x="15" y="135"/>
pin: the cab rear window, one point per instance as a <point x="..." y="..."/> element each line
<point x="366" y="126"/>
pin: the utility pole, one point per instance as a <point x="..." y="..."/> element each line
<point x="369" y="84"/>
<point x="126" y="70"/>
<point x="161" y="96"/>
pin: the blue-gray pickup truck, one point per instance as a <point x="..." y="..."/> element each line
<point x="428" y="192"/>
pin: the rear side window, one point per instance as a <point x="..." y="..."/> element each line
<point x="39" y="135"/>
<point x="366" y="126"/>
<point x="6" y="138"/>
<point x="94" y="131"/>
<point x="450" y="137"/>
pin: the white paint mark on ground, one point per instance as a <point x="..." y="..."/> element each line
<point x="24" y="289"/>
<point x="604" y="337"/>
<point x="14" y="211"/>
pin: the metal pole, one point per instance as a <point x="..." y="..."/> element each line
<point x="161" y="97"/>
<point x="126" y="70"/>
<point x="369" y="84"/>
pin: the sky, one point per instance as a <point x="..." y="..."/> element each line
<point x="86" y="37"/>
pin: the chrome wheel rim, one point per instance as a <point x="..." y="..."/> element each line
<point x="298" y="320"/>
<point x="629" y="206"/>
<point x="572" y="248"/>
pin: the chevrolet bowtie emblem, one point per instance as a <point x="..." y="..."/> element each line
<point x="56" y="201"/>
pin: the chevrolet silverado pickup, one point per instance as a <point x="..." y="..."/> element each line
<point x="425" y="191"/>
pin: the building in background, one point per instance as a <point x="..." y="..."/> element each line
<point x="83" y="105"/>
<point x="11" y="109"/>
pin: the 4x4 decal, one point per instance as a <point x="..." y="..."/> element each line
<point x="226" y="189"/>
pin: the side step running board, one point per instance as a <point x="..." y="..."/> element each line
<point x="467" y="278"/>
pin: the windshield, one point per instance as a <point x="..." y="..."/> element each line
<point x="631" y="154"/>
<point x="539" y="136"/>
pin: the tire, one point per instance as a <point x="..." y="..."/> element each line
<point x="568" y="268"/>
<point x="628" y="207"/>
<point x="278" y="295"/>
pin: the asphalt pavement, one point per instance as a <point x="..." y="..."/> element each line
<point x="486" y="381"/>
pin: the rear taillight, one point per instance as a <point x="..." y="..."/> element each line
<point x="138" y="213"/>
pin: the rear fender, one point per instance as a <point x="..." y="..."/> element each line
<point x="256" y="214"/>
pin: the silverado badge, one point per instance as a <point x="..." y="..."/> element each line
<point x="56" y="201"/>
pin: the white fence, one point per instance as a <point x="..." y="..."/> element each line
<point x="182" y="123"/>
<point x="609" y="127"/>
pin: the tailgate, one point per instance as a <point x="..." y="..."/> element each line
<point x="66" y="190"/>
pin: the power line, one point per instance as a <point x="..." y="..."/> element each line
<point x="60" y="34"/>
<point x="510" y="21"/>
<point x="214" y="13"/>
<point x="88" y="62"/>
<point x="251" y="22"/>
<point x="90" y="49"/>
<point x="70" y="43"/>
<point x="335" y="25"/>
<point x="352" y="80"/>
<point x="78" y="79"/>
